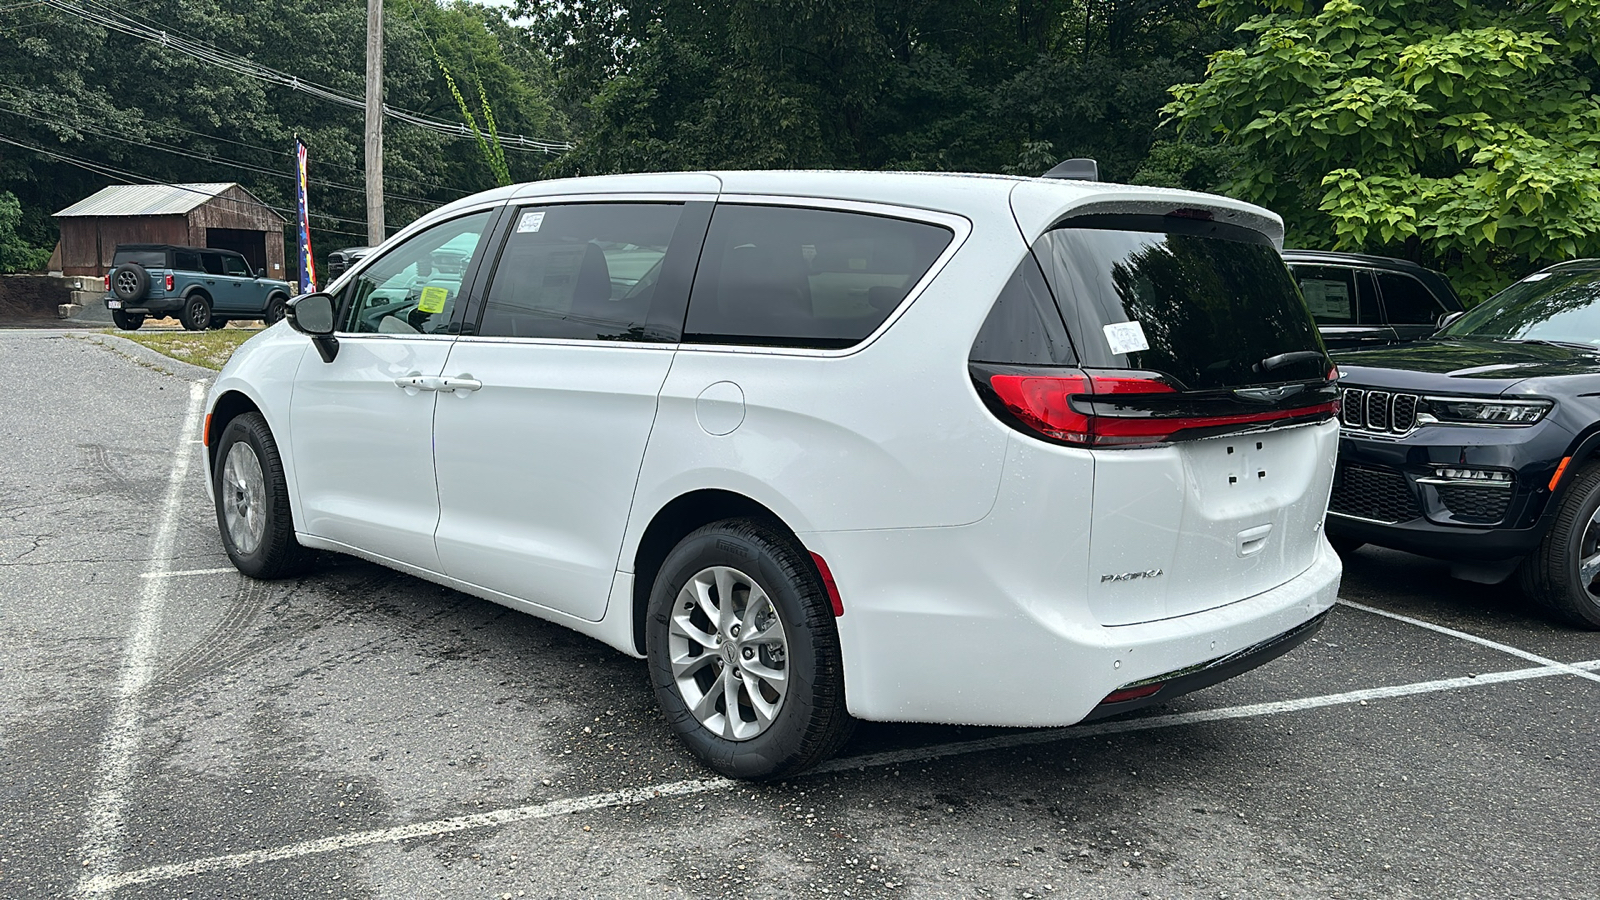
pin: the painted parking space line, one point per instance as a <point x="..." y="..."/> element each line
<point x="1472" y="638"/>
<point x="108" y="883"/>
<point x="185" y="573"/>
<point x="101" y="836"/>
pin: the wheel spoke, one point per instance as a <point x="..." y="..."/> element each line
<point x="706" y="707"/>
<point x="1588" y="569"/>
<point x="685" y="666"/>
<point x="728" y="619"/>
<point x="730" y="696"/>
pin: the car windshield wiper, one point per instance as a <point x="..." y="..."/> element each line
<point x="1283" y="359"/>
<point x="1565" y="345"/>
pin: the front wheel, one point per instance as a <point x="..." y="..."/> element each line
<point x="252" y="499"/>
<point x="744" y="653"/>
<point x="127" y="321"/>
<point x="196" y="314"/>
<point x="276" y="306"/>
<point x="1562" y="573"/>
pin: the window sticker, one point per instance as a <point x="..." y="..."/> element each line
<point x="1126" y="337"/>
<point x="1330" y="299"/>
<point x="530" y="221"/>
<point x="433" y="299"/>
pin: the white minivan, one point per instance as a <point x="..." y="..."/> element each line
<point x="820" y="446"/>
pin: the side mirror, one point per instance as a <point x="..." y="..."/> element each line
<point x="1447" y="318"/>
<point x="312" y="314"/>
<point x="261" y="273"/>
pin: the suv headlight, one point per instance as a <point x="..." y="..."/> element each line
<point x="1487" y="412"/>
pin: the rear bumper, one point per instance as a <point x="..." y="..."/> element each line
<point x="931" y="634"/>
<point x="150" y="306"/>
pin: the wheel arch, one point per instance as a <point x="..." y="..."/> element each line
<point x="671" y="523"/>
<point x="193" y="289"/>
<point x="230" y="405"/>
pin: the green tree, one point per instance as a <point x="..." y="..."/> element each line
<point x="16" y="254"/>
<point x="1463" y="135"/>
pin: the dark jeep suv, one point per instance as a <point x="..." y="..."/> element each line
<point x="201" y="287"/>
<point x="1482" y="444"/>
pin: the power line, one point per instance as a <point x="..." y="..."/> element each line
<point x="210" y="158"/>
<point x="134" y="177"/>
<point x="245" y="66"/>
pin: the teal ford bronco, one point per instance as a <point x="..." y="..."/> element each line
<point x="200" y="287"/>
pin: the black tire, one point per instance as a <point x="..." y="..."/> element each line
<point x="127" y="321"/>
<point x="130" y="283"/>
<point x="276" y="553"/>
<point x="196" y="312"/>
<point x="276" y="305"/>
<point x="811" y="723"/>
<point x="1550" y="575"/>
<point x="217" y="322"/>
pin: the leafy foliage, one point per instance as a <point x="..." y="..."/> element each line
<point x="1462" y="135"/>
<point x="16" y="254"/>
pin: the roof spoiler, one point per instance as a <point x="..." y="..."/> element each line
<point x="1080" y="169"/>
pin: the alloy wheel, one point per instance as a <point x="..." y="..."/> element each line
<point x="729" y="653"/>
<point x="244" y="498"/>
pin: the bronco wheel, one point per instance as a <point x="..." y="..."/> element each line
<point x="196" y="314"/>
<point x="1562" y="573"/>
<point x="252" y="500"/>
<point x="276" y="305"/>
<point x="744" y="653"/>
<point x="127" y="321"/>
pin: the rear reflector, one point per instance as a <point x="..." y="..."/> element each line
<point x="1134" y="693"/>
<point x="829" y="585"/>
<point x="1062" y="408"/>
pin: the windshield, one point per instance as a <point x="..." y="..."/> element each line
<point x="1208" y="310"/>
<point x="1559" y="307"/>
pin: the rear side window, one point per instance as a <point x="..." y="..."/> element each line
<point x="1206" y="304"/>
<point x="584" y="272"/>
<point x="186" y="260"/>
<point x="791" y="277"/>
<point x="1024" y="327"/>
<point x="150" y="259"/>
<point x="212" y="262"/>
<point x="1331" y="294"/>
<point x="1407" y="301"/>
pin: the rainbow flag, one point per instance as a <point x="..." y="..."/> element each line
<point x="308" y="269"/>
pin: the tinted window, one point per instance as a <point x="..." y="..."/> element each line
<point x="1406" y="301"/>
<point x="789" y="277"/>
<point x="1207" y="309"/>
<point x="1024" y="327"/>
<point x="413" y="288"/>
<point x="212" y="263"/>
<point x="150" y="259"/>
<point x="586" y="272"/>
<point x="1330" y="293"/>
<point x="234" y="265"/>
<point x="186" y="260"/>
<point x="1563" y="307"/>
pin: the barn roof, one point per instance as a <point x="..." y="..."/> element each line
<point x="146" y="199"/>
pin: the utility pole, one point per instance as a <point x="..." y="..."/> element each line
<point x="374" y="130"/>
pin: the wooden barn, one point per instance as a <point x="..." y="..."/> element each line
<point x="224" y="216"/>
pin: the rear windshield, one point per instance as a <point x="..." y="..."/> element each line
<point x="1207" y="305"/>
<point x="150" y="259"/>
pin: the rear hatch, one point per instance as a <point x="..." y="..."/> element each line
<point x="1199" y="384"/>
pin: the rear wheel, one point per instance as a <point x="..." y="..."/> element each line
<point x="127" y="321"/>
<point x="744" y="653"/>
<point x="196" y="313"/>
<point x="252" y="500"/>
<point x="1563" y="574"/>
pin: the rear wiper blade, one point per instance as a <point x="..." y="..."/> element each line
<point x="1284" y="359"/>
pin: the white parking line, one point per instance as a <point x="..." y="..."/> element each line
<point x="184" y="573"/>
<point x="106" y="883"/>
<point x="100" y="837"/>
<point x="1482" y="642"/>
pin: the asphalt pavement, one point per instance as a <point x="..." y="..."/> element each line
<point x="171" y="729"/>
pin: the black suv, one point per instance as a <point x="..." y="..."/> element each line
<point x="1365" y="301"/>
<point x="1482" y="444"/>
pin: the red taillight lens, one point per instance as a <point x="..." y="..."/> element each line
<point x="1134" y="693"/>
<point x="108" y="281"/>
<point x="1081" y="409"/>
<point x="169" y="282"/>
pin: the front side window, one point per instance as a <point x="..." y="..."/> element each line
<point x="233" y="265"/>
<point x="413" y="288"/>
<point x="1407" y="301"/>
<point x="581" y="272"/>
<point x="790" y="277"/>
<point x="1211" y="306"/>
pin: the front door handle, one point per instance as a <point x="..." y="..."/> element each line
<point x="416" y="381"/>
<point x="459" y="383"/>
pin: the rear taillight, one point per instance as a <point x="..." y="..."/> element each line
<point x="1104" y="410"/>
<point x="108" y="281"/>
<point x="169" y="282"/>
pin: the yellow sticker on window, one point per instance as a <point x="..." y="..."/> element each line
<point x="433" y="299"/>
